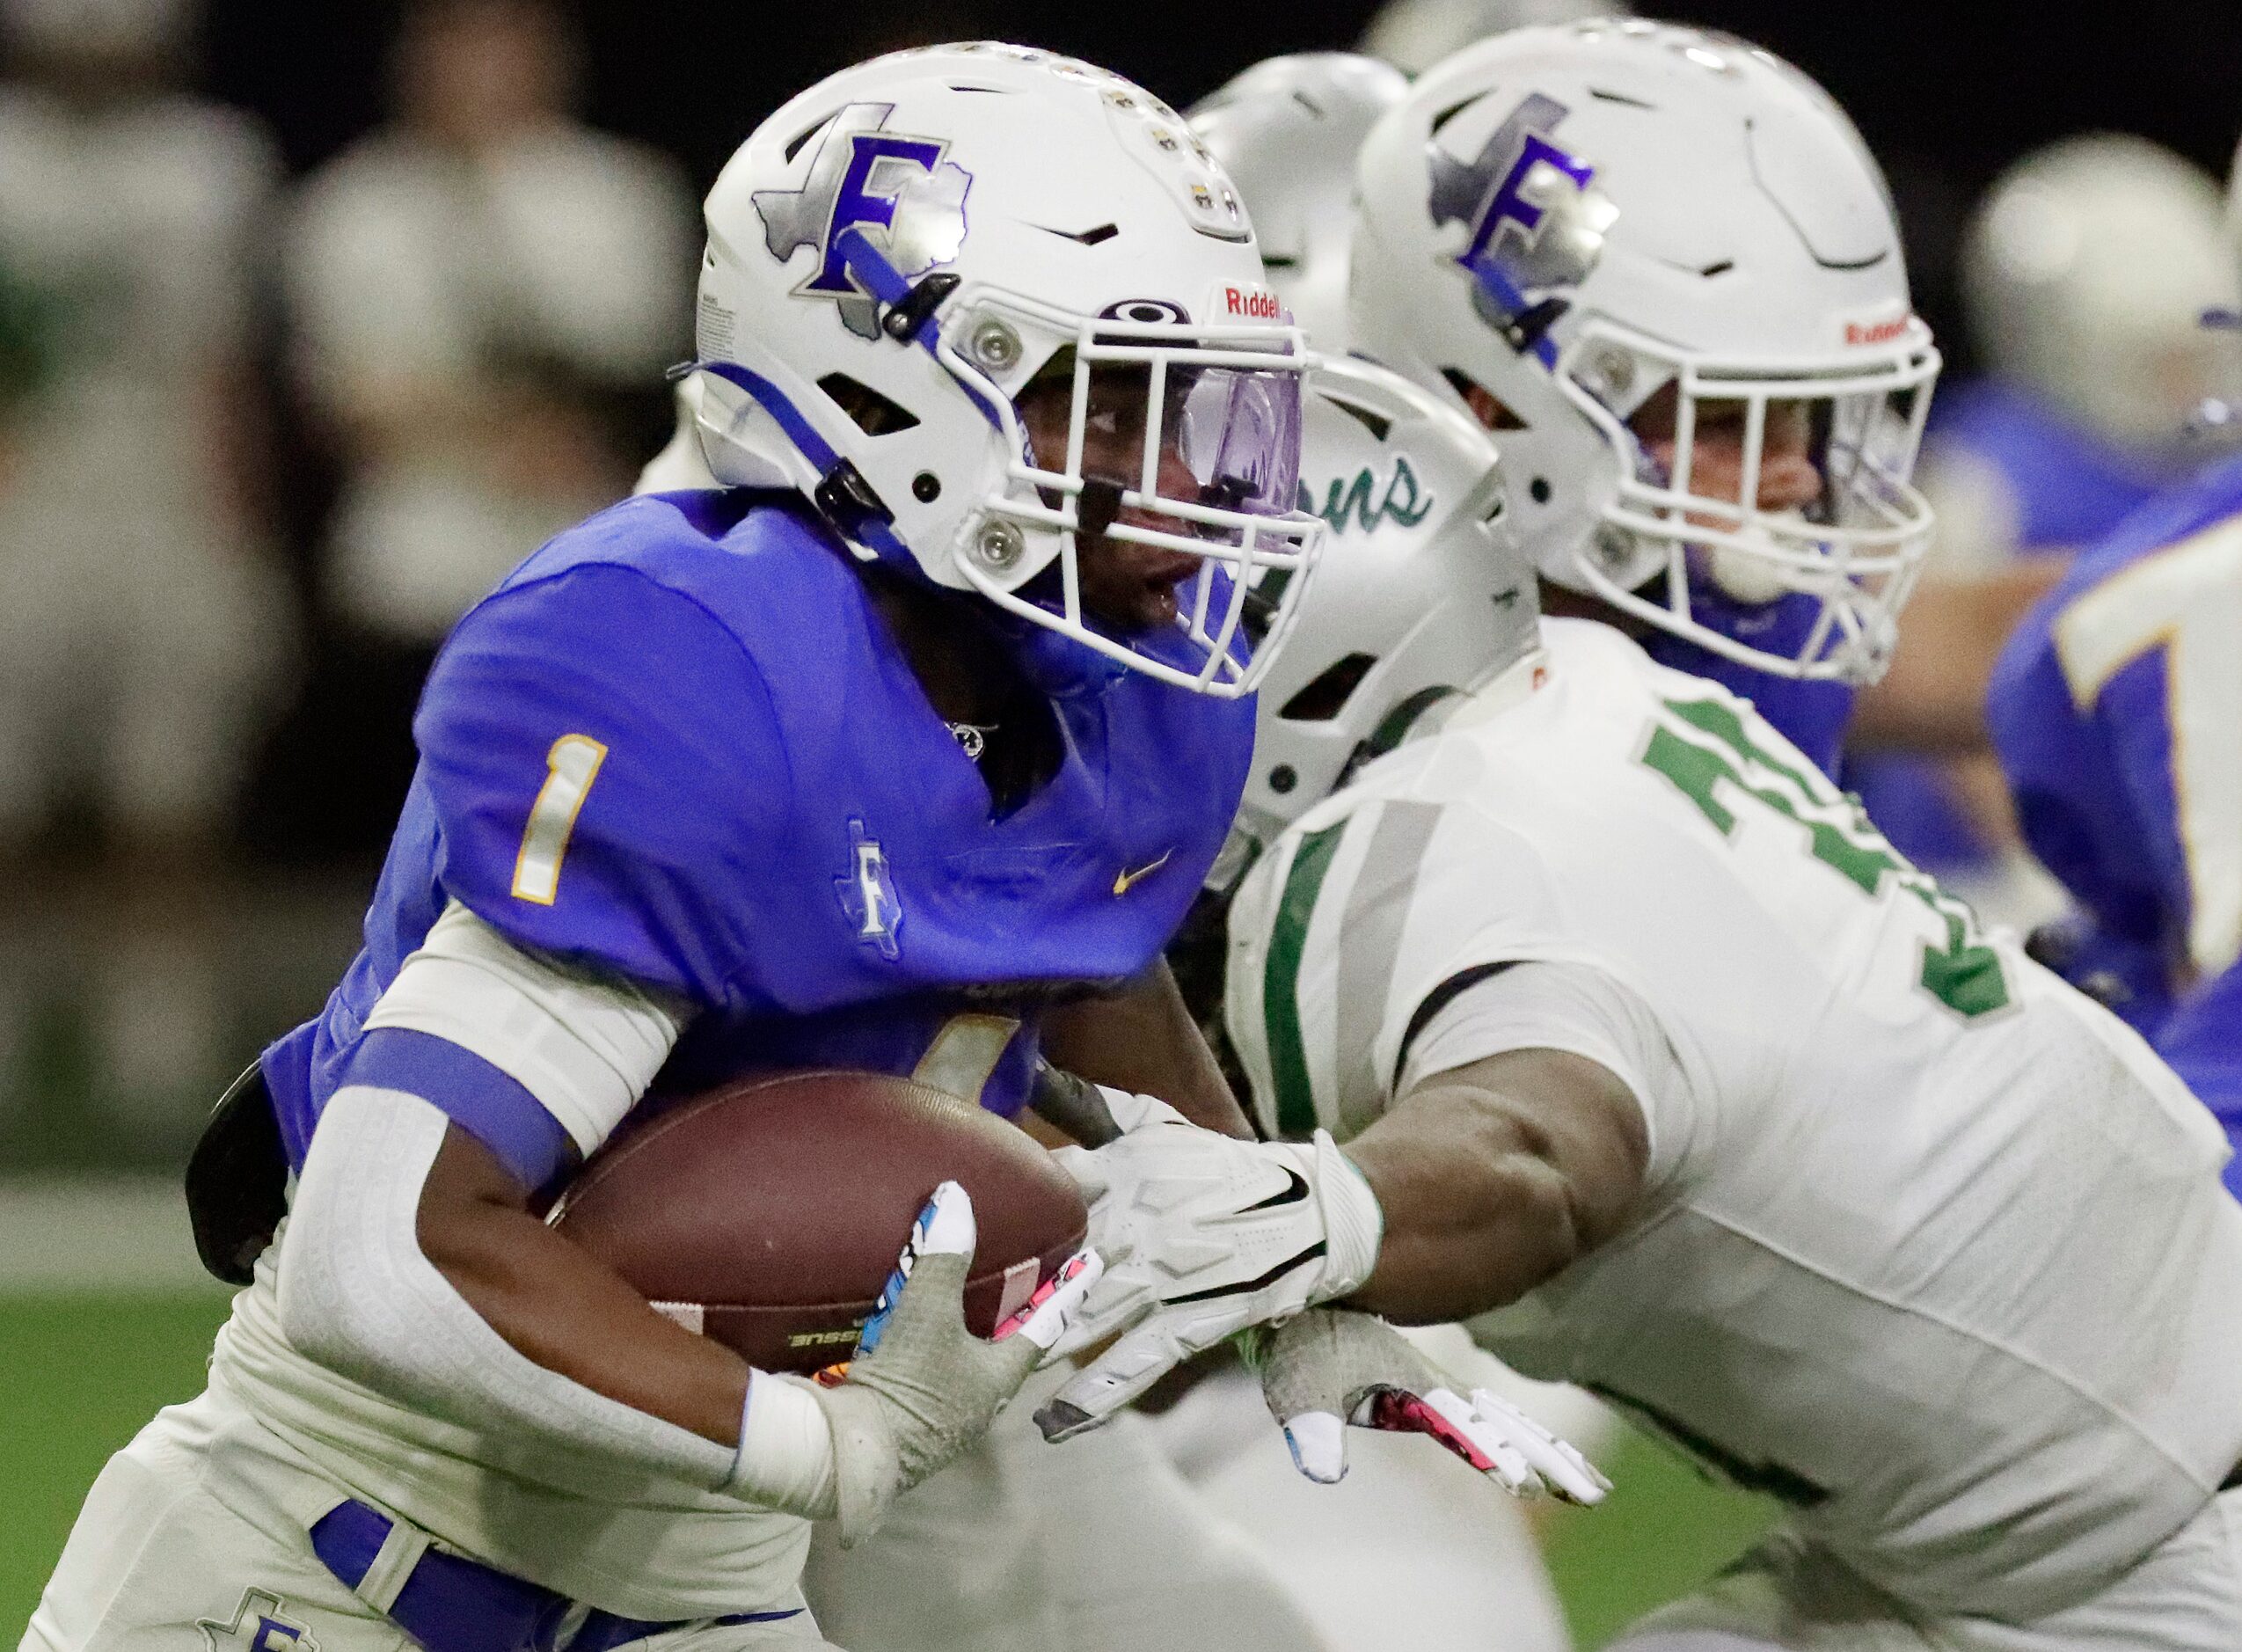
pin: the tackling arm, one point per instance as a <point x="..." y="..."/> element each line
<point x="1494" y="1176"/>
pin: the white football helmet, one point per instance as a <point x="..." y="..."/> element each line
<point x="1568" y="225"/>
<point x="1423" y="591"/>
<point x="2086" y="272"/>
<point x="1287" y="131"/>
<point x="901" y="250"/>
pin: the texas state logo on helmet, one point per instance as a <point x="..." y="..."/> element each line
<point x="899" y="192"/>
<point x="901" y="251"/>
<point x="1571" y="230"/>
<point x="1536" y="218"/>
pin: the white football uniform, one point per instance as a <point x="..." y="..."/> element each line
<point x="1929" y="1246"/>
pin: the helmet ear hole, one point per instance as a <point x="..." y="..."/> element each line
<point x="1492" y="412"/>
<point x="871" y="412"/>
<point x="1326" y="695"/>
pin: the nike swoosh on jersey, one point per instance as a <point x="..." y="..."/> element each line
<point x="1125" y="881"/>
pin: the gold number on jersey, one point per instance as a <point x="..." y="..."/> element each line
<point x="2186" y="600"/>
<point x="1965" y="974"/>
<point x="570" y="767"/>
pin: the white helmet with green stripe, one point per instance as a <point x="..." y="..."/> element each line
<point x="1423" y="591"/>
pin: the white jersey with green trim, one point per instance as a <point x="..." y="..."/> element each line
<point x="1932" y="1247"/>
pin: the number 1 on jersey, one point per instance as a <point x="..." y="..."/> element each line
<point x="570" y="767"/>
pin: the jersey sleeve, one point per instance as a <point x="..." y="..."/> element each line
<point x="1572" y="1007"/>
<point x="608" y="780"/>
<point x="1341" y="935"/>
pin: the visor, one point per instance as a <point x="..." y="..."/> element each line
<point x="1183" y="438"/>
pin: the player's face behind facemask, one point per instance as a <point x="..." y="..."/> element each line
<point x="1156" y="472"/>
<point x="1572" y="230"/>
<point x="1783" y="461"/>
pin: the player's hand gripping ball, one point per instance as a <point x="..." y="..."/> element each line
<point x="922" y="1387"/>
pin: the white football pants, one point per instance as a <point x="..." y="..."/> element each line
<point x="1095" y="1546"/>
<point x="177" y="1537"/>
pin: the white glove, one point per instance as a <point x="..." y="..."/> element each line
<point x="921" y="1388"/>
<point x="1332" y="1367"/>
<point x="1202" y="1235"/>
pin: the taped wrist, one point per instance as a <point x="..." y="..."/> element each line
<point x="786" y="1459"/>
<point x="1353" y="1225"/>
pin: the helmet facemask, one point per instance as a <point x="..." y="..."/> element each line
<point x="1179" y="439"/>
<point x="1708" y="513"/>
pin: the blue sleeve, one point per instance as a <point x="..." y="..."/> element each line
<point x="2072" y="801"/>
<point x="490" y="1105"/>
<point x="656" y="871"/>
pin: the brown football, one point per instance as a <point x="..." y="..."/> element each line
<point x="768" y="1214"/>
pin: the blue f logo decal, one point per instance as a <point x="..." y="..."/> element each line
<point x="898" y="192"/>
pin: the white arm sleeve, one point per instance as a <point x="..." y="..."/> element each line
<point x="357" y="1295"/>
<point x="1581" y="1010"/>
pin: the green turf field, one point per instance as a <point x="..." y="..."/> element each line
<point x="84" y="1371"/>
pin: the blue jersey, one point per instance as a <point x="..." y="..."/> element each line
<point x="678" y="745"/>
<point x="2069" y="488"/>
<point x="2117" y="713"/>
<point x="1812" y="716"/>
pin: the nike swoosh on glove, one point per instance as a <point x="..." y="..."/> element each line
<point x="1202" y="1236"/>
<point x="1330" y="1367"/>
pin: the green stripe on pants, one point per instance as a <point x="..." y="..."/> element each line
<point x="1304" y="881"/>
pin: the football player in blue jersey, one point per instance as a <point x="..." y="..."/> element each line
<point x="937" y="713"/>
<point x="2114" y="710"/>
<point x="1704" y="367"/>
<point x="2086" y="272"/>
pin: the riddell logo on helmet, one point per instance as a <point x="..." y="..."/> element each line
<point x="1234" y="303"/>
<point x="1877" y="332"/>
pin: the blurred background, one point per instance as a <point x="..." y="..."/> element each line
<point x="315" y="319"/>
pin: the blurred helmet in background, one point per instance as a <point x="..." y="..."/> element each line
<point x="102" y="31"/>
<point x="1423" y="590"/>
<point x="2085" y="273"/>
<point x="1287" y="131"/>
<point x="1567" y="229"/>
<point x="1413" y="35"/>
<point x="903" y="249"/>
